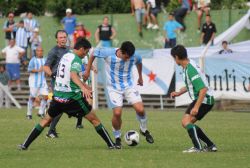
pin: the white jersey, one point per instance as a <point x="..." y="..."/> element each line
<point x="37" y="79"/>
<point x="68" y="63"/>
<point x="12" y="54"/>
<point x="118" y="71"/>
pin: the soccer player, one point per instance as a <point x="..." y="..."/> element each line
<point x="37" y="83"/>
<point x="70" y="95"/>
<point x="200" y="93"/>
<point x="119" y="63"/>
<point x="50" y="68"/>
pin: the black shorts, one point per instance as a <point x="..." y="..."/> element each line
<point x="75" y="108"/>
<point x="203" y="110"/>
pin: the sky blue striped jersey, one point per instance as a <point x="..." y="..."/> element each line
<point x="21" y="37"/>
<point x="36" y="79"/>
<point x="118" y="71"/>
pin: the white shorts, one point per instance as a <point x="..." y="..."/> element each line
<point x="34" y="92"/>
<point x="116" y="97"/>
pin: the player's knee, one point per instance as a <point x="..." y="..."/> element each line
<point x="185" y="122"/>
<point x="45" y="122"/>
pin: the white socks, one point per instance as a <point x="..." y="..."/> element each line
<point x="143" y="122"/>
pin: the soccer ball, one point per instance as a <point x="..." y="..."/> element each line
<point x="131" y="138"/>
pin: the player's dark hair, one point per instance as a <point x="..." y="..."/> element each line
<point x="179" y="51"/>
<point x="10" y="12"/>
<point x="82" y="43"/>
<point x="128" y="47"/>
<point x="60" y="31"/>
<point x="224" y="42"/>
<point x="208" y="15"/>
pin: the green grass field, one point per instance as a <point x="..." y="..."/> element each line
<point x="84" y="148"/>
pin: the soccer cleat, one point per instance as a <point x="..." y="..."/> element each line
<point x="118" y="144"/>
<point x="22" y="147"/>
<point x="41" y="115"/>
<point x="140" y="34"/>
<point x="211" y="148"/>
<point x="192" y="150"/>
<point x="79" y="126"/>
<point x="149" y="26"/>
<point x="148" y="136"/>
<point x="155" y="27"/>
<point x="52" y="134"/>
<point x="112" y="147"/>
<point x="29" y="117"/>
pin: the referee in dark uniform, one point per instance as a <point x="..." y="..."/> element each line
<point x="208" y="31"/>
<point x="50" y="68"/>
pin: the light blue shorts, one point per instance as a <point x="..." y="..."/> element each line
<point x="139" y="13"/>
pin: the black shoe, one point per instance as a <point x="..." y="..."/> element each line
<point x="52" y="134"/>
<point x="79" y="126"/>
<point x="140" y="34"/>
<point x="148" y="136"/>
<point x="41" y="115"/>
<point x="112" y="147"/>
<point x="22" y="147"/>
<point x="118" y="144"/>
<point x="29" y="117"/>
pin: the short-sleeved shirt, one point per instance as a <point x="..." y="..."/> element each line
<point x="195" y="80"/>
<point x="12" y="54"/>
<point x="118" y="71"/>
<point x="21" y="37"/>
<point x="64" y="87"/>
<point x="54" y="57"/>
<point x="37" y="79"/>
<point x="170" y="27"/>
<point x="30" y="25"/>
<point x="202" y="3"/>
<point x="10" y="35"/>
<point x="208" y="31"/>
<point x="69" y="24"/>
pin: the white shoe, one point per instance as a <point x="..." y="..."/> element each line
<point x="149" y="26"/>
<point x="155" y="27"/>
<point x="212" y="148"/>
<point x="192" y="150"/>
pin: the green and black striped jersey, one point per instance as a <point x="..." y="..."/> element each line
<point x="195" y="80"/>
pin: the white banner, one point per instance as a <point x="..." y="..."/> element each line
<point x="227" y="74"/>
<point x="158" y="69"/>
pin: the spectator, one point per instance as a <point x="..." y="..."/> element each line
<point x="35" y="41"/>
<point x="105" y="33"/>
<point x="4" y="79"/>
<point x="201" y="7"/>
<point x="69" y="23"/>
<point x="181" y="12"/>
<point x="13" y="55"/>
<point x="30" y="24"/>
<point x="9" y="28"/>
<point x="208" y="31"/>
<point x="81" y="32"/>
<point x="225" y="49"/>
<point x="170" y="28"/>
<point x="152" y="12"/>
<point x="37" y="83"/>
<point x="22" y="41"/>
<point x="138" y="9"/>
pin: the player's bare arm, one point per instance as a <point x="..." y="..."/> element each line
<point x="87" y="71"/>
<point x="176" y="94"/>
<point x="47" y="70"/>
<point x="85" y="91"/>
<point x="139" y="69"/>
